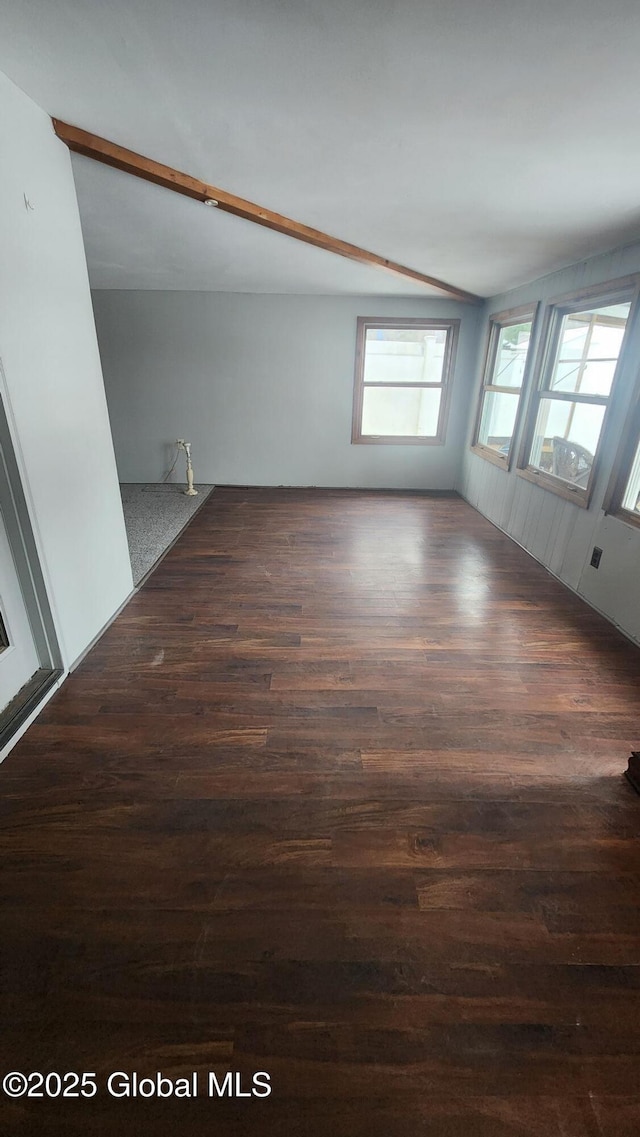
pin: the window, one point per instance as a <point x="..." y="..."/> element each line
<point x="403" y="375"/>
<point x="585" y="337"/>
<point x="624" y="494"/>
<point x="508" y="353"/>
<point x="631" y="497"/>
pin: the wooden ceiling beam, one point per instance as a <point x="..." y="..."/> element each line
<point x="100" y="149"/>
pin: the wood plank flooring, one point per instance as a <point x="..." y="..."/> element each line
<point x="338" y="797"/>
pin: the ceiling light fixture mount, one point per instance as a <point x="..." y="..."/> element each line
<point x="211" y="201"/>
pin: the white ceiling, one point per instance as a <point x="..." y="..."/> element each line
<point x="484" y="142"/>
<point x="138" y="235"/>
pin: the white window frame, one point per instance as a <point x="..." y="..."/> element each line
<point x="602" y="295"/>
<point x="451" y="328"/>
<point x="497" y="322"/>
<point x="626" y="467"/>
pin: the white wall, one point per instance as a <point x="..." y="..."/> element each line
<point x="52" y="387"/>
<point x="556" y="532"/>
<point x="262" y="385"/>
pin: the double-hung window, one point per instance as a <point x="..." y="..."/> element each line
<point x="584" y="343"/>
<point x="403" y="377"/>
<point x="624" y="494"/>
<point x="504" y="377"/>
<point x="630" y="500"/>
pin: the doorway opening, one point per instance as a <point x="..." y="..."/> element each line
<point x="30" y="659"/>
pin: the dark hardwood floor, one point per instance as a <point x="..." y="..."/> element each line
<point x="338" y="797"/>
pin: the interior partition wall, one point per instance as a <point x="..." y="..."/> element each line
<point x="15" y="515"/>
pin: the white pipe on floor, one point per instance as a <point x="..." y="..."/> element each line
<point x="186" y="446"/>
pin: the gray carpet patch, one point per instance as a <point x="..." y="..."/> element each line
<point x="154" y="515"/>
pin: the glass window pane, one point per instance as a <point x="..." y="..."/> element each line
<point x="606" y="338"/>
<point x="597" y="377"/>
<point x="511" y="355"/>
<point x="498" y="420"/>
<point x="565" y="376"/>
<point x="404" y="355"/>
<point x="409" y="411"/>
<point x="631" y="499"/>
<point x="588" y="349"/>
<point x="573" y="337"/>
<point x="566" y="438"/>
<point x="593" y="377"/>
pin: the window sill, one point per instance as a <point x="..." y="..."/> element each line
<point x="395" y="440"/>
<point x="625" y="515"/>
<point x="577" y="496"/>
<point x="490" y="455"/>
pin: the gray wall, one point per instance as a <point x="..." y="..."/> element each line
<point x="556" y="532"/>
<point x="51" y="383"/>
<point x="262" y="385"/>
